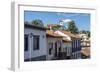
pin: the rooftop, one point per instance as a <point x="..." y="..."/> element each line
<point x="86" y="51"/>
<point x="50" y="25"/>
<point x="70" y="34"/>
<point x="66" y="40"/>
<point x="52" y="34"/>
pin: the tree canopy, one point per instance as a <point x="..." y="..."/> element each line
<point x="72" y="27"/>
<point x="85" y="32"/>
<point x="56" y="27"/>
<point x="37" y="22"/>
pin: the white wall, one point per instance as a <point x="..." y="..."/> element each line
<point x="51" y="39"/>
<point x="68" y="49"/>
<point x="42" y="43"/>
<point x="5" y="40"/>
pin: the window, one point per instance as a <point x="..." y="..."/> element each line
<point x="25" y="42"/>
<point x="77" y="43"/>
<point x="74" y="44"/>
<point x="50" y="48"/>
<point x="60" y="45"/>
<point x="36" y="42"/>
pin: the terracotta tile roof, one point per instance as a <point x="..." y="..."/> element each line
<point x="70" y="34"/>
<point x="53" y="25"/>
<point x="86" y="51"/>
<point x="66" y="40"/>
<point x="52" y="34"/>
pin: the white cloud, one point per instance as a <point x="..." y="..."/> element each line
<point x="66" y="20"/>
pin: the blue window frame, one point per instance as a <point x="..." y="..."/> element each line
<point x="36" y="43"/>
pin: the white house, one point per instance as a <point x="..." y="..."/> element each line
<point x="35" y="47"/>
<point x="59" y="45"/>
<point x="74" y="46"/>
<point x="43" y="44"/>
<point x="67" y="47"/>
<point x="67" y="43"/>
<point x="54" y="45"/>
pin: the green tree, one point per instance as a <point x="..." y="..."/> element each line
<point x="37" y="22"/>
<point x="55" y="27"/>
<point x="72" y="27"/>
<point x="86" y="32"/>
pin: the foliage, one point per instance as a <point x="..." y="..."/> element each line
<point x="56" y="27"/>
<point x="37" y="22"/>
<point x="85" y="32"/>
<point x="72" y="27"/>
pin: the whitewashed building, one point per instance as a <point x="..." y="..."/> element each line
<point x="54" y="45"/>
<point x="67" y="47"/>
<point x="74" y="46"/>
<point x="35" y="47"/>
<point x="67" y="44"/>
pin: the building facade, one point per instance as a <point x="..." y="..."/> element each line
<point x="75" y="44"/>
<point x="54" y="45"/>
<point x="41" y="43"/>
<point x="34" y="43"/>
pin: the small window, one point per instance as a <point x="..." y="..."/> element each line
<point x="50" y="48"/>
<point x="25" y="42"/>
<point x="36" y="42"/>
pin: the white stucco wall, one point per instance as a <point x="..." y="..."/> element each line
<point x="67" y="48"/>
<point x="51" y="39"/>
<point x="42" y="46"/>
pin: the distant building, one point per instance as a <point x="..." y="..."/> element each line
<point x="85" y="40"/>
<point x="85" y="44"/>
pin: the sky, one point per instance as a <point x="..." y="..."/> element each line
<point x="82" y="20"/>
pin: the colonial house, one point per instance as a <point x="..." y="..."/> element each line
<point x="67" y="47"/>
<point x="54" y="45"/>
<point x="75" y="45"/>
<point x="41" y="43"/>
<point x="58" y="46"/>
<point x="66" y="40"/>
<point x="34" y="43"/>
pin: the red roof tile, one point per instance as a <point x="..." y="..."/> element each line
<point x="86" y="51"/>
<point x="66" y="40"/>
<point x="70" y="34"/>
<point x="52" y="34"/>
